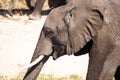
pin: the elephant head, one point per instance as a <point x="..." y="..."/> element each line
<point x="67" y="30"/>
<point x="73" y="29"/>
<point x="72" y="26"/>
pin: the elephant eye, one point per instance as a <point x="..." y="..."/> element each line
<point x="49" y="33"/>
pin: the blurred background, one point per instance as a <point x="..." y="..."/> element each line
<point x="19" y="4"/>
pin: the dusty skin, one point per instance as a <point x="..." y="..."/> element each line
<point x="18" y="38"/>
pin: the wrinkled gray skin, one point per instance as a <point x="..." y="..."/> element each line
<point x="89" y="25"/>
<point x="36" y="7"/>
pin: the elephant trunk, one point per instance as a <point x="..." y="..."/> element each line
<point x="44" y="47"/>
<point x="33" y="72"/>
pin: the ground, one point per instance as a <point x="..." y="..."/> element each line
<point x="18" y="38"/>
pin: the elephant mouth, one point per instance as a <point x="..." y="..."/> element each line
<point x="58" y="51"/>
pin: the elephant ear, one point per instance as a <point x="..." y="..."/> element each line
<point x="82" y="24"/>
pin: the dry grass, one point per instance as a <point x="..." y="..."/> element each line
<point x="20" y="8"/>
<point x="19" y="4"/>
<point x="44" y="77"/>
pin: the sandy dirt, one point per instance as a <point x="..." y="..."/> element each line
<point x="18" y="39"/>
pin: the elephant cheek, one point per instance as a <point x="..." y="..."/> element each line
<point x="47" y="50"/>
<point x="44" y="47"/>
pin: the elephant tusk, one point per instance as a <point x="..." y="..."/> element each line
<point x="33" y="63"/>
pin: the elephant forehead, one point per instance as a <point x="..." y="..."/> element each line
<point x="54" y="24"/>
<point x="56" y="17"/>
<point x="55" y="21"/>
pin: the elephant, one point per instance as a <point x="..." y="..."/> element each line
<point x="80" y="27"/>
<point x="36" y="7"/>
